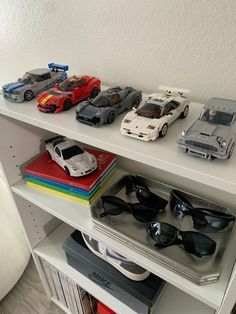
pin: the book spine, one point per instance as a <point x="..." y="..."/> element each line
<point x="48" y="276"/>
<point x="58" y="287"/>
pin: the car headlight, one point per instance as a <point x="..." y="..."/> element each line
<point x="16" y="92"/>
<point x="126" y="121"/>
<point x="93" y="160"/>
<point x="223" y="143"/>
<point x="183" y="133"/>
<point x="151" y="127"/>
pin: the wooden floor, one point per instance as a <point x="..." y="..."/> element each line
<point x="28" y="296"/>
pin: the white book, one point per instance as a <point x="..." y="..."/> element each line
<point x="66" y="291"/>
<point x="77" y="298"/>
<point x="71" y="289"/>
<point x="47" y="273"/>
<point x="57" y="284"/>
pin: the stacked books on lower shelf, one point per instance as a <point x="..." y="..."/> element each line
<point x="67" y="292"/>
<point x="45" y="174"/>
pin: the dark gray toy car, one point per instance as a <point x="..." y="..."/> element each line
<point x="107" y="105"/>
<point x="213" y="134"/>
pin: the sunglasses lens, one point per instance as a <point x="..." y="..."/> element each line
<point x="113" y="205"/>
<point x="143" y="213"/>
<point x="179" y="204"/>
<point x="198" y="244"/>
<point x="207" y="223"/>
<point x="150" y="199"/>
<point x="163" y="233"/>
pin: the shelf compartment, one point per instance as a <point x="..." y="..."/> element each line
<point x="79" y="217"/>
<point x="51" y="250"/>
<point x="162" y="154"/>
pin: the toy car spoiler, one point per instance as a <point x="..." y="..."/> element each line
<point x="52" y="139"/>
<point x="58" y="66"/>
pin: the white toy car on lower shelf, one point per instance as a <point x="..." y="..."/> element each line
<point x="151" y="120"/>
<point x="70" y="156"/>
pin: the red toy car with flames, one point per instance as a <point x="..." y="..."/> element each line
<point x="69" y="93"/>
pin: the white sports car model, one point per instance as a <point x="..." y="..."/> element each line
<point x="151" y="120"/>
<point x="71" y="157"/>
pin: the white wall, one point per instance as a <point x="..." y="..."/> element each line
<point x="143" y="43"/>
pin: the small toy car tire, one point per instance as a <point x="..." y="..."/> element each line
<point x="231" y="151"/>
<point x="67" y="171"/>
<point x="111" y="117"/>
<point x="67" y="104"/>
<point x="184" y="114"/>
<point x="28" y="95"/>
<point x="49" y="155"/>
<point x="136" y="101"/>
<point x="95" y="92"/>
<point x="163" y="130"/>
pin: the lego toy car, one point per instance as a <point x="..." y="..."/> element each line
<point x="213" y="134"/>
<point x="69" y="93"/>
<point x="107" y="105"/>
<point x="70" y="156"/>
<point x="34" y="82"/>
<point x="151" y="120"/>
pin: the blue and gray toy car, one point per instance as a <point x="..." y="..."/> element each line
<point x="34" y="82"/>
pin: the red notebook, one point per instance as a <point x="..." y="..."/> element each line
<point x="43" y="167"/>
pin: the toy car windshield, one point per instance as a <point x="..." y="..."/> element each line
<point x="72" y="151"/>
<point x="149" y="110"/>
<point x="101" y="101"/>
<point x="68" y="84"/>
<point x="27" y="78"/>
<point x="216" y="117"/>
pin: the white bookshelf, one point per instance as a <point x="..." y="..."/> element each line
<point x="22" y="129"/>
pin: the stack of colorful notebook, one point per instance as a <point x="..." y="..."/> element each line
<point x="45" y="174"/>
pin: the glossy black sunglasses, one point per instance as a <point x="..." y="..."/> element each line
<point x="144" y="195"/>
<point x="113" y="205"/>
<point x="204" y="219"/>
<point x="194" y="242"/>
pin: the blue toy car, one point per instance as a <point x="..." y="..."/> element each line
<point x="34" y="82"/>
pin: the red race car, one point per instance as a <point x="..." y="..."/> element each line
<point x="69" y="93"/>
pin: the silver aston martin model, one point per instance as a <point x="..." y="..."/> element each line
<point x="213" y="134"/>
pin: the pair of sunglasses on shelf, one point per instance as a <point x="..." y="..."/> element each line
<point x="204" y="219"/>
<point x="147" y="208"/>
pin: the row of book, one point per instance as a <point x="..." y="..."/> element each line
<point x="45" y="174"/>
<point x="67" y="292"/>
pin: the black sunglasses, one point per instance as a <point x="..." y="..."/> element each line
<point x="194" y="242"/>
<point x="204" y="219"/>
<point x="113" y="205"/>
<point x="143" y="194"/>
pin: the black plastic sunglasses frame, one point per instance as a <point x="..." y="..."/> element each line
<point x="114" y="205"/>
<point x="189" y="246"/>
<point x="144" y="195"/>
<point x="204" y="219"/>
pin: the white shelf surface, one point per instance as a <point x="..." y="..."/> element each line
<point x="172" y="300"/>
<point x="162" y="154"/>
<point x="79" y="217"/>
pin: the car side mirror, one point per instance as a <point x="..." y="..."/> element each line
<point x="76" y="89"/>
<point x="18" y="79"/>
<point x="56" y="85"/>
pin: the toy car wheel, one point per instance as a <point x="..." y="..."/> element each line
<point x="28" y="95"/>
<point x="184" y="113"/>
<point x="163" y="130"/>
<point x="49" y="155"/>
<point x="231" y="151"/>
<point x="67" y="104"/>
<point x="111" y="117"/>
<point x="136" y="101"/>
<point x="95" y="92"/>
<point x="67" y="171"/>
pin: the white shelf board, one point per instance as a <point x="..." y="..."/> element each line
<point x="162" y="154"/>
<point x="172" y="300"/>
<point x="79" y="217"/>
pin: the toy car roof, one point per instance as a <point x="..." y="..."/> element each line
<point x="38" y="72"/>
<point x="222" y="104"/>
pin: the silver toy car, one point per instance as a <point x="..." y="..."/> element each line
<point x="34" y="82"/>
<point x="213" y="134"/>
<point x="107" y="105"/>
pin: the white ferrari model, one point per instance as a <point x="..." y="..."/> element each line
<point x="152" y="119"/>
<point x="71" y="157"/>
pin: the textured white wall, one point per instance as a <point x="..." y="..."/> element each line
<point x="144" y="43"/>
